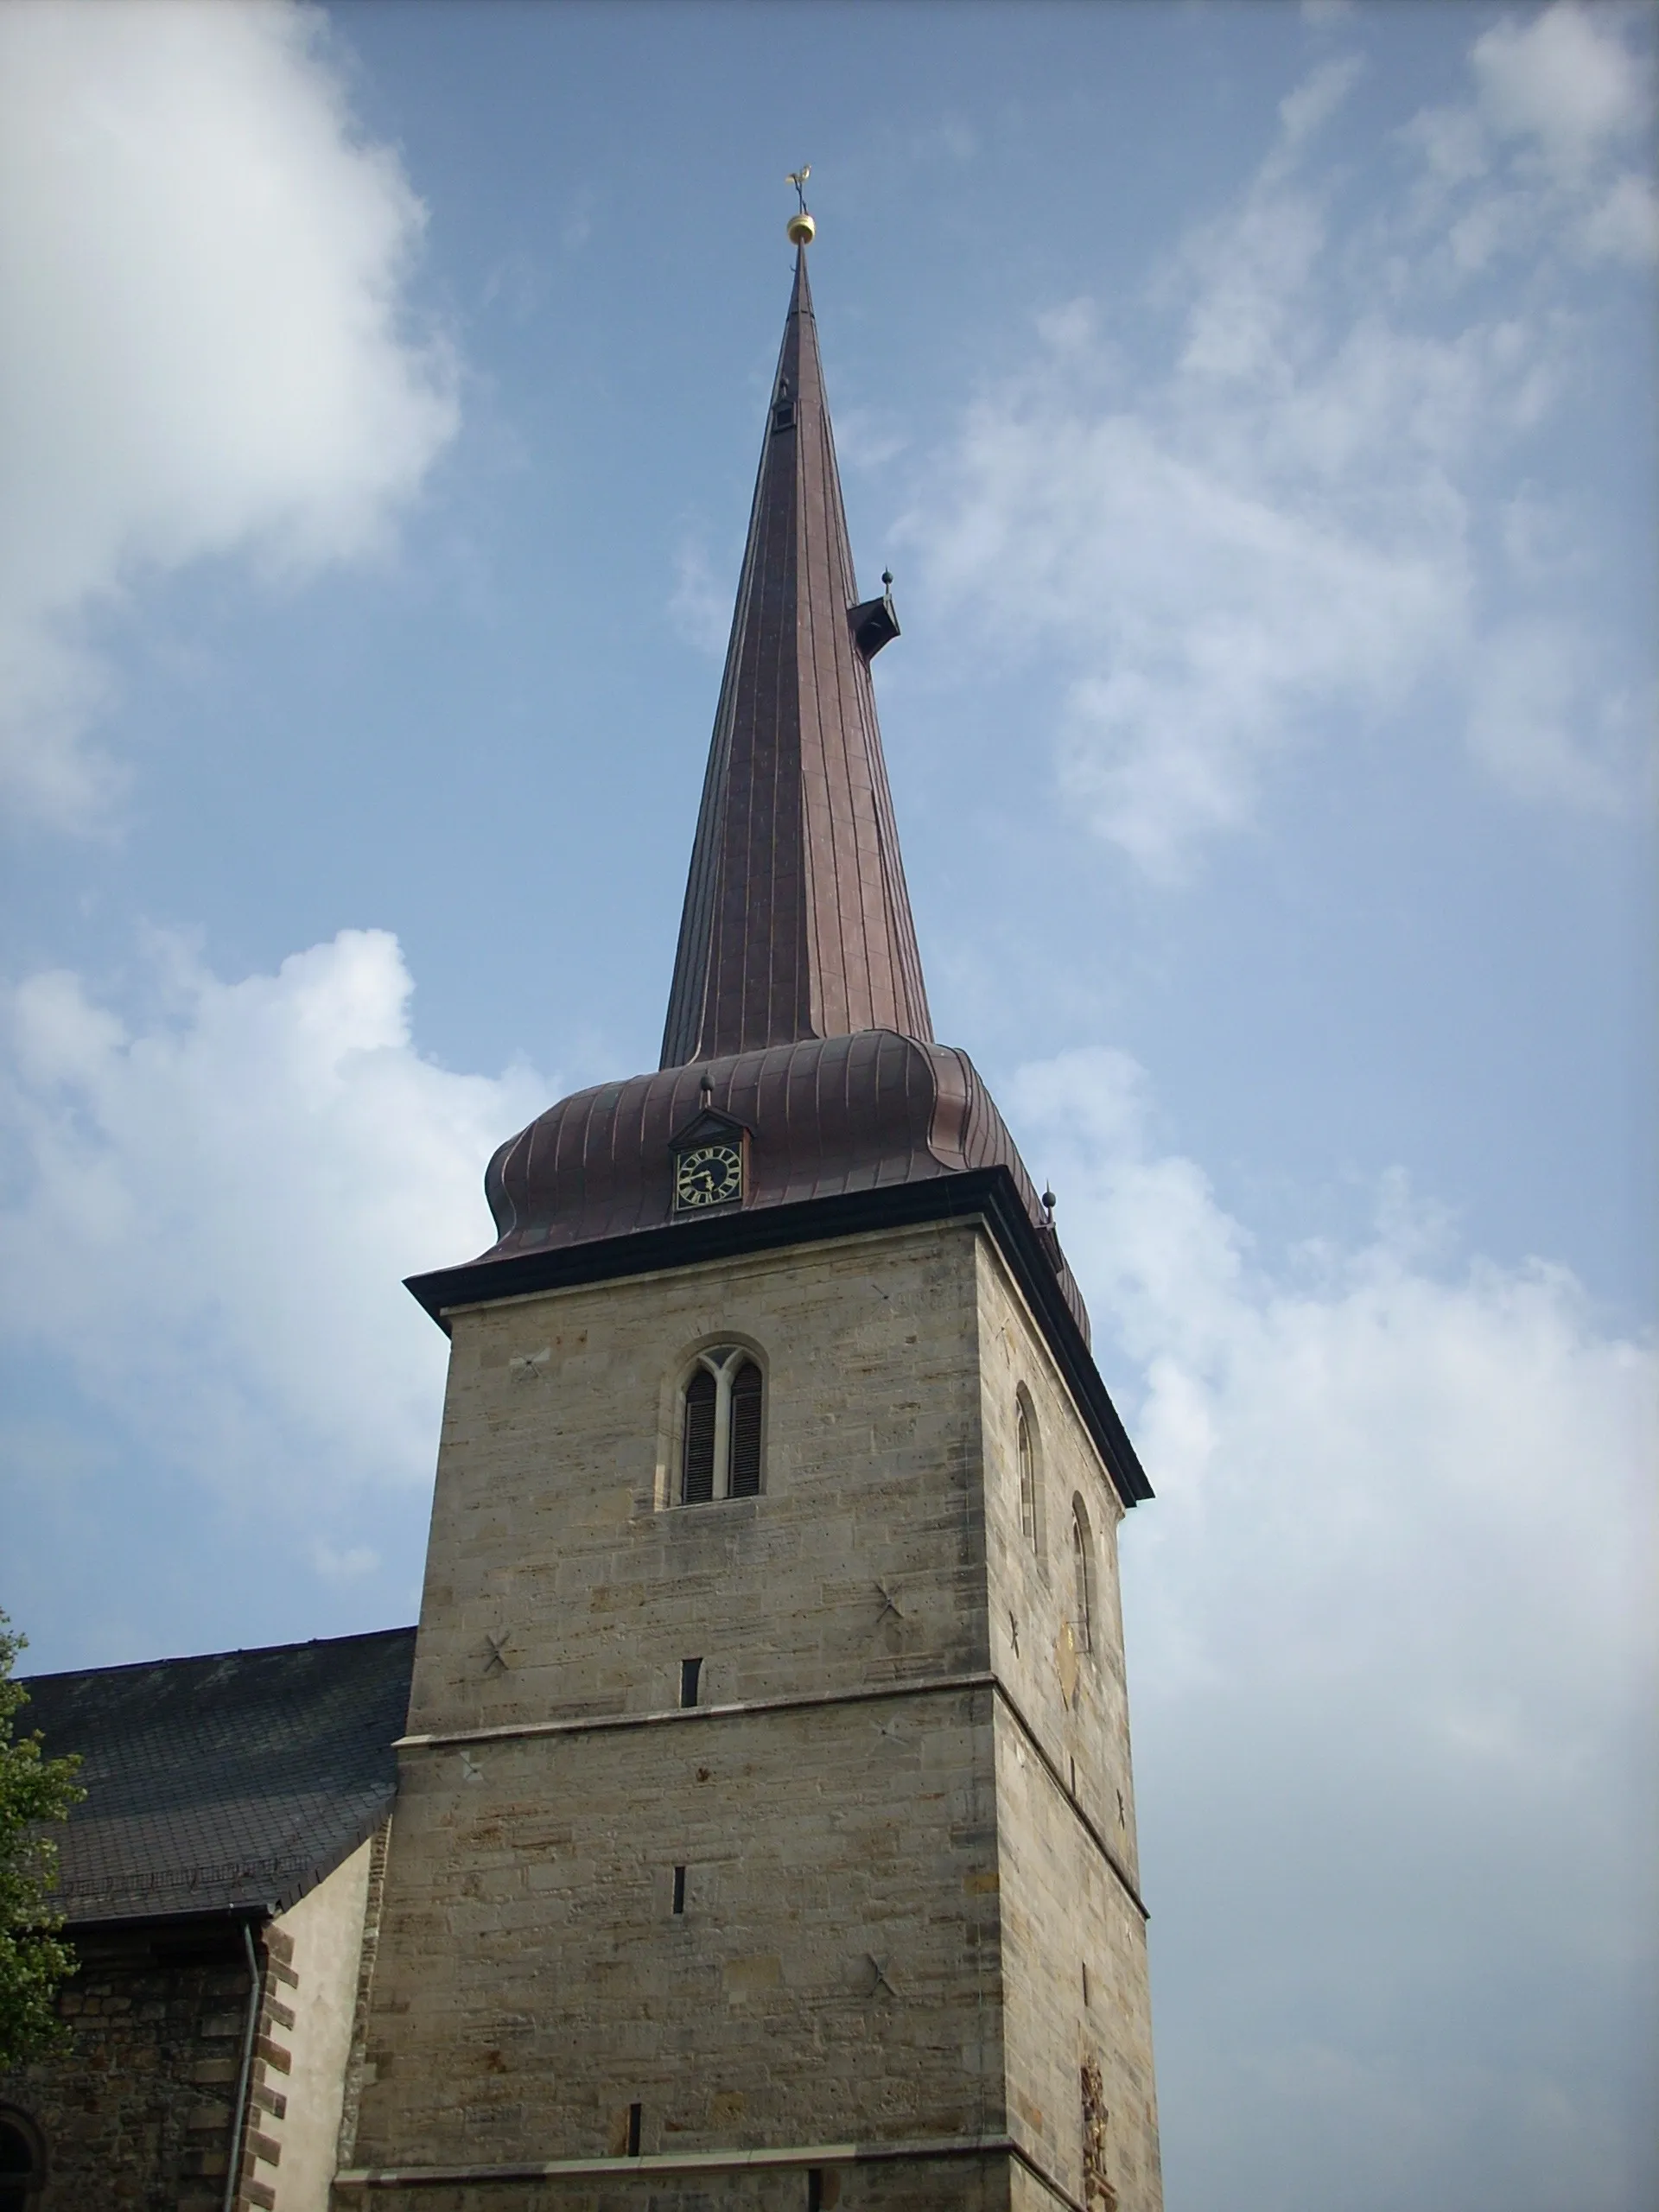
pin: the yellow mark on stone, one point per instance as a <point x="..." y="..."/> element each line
<point x="747" y="1978"/>
<point x="1065" y="1658"/>
<point x="1031" y="2113"/>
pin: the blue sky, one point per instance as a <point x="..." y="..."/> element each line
<point x="1255" y="407"/>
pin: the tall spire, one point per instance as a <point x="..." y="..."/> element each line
<point x="796" y="923"/>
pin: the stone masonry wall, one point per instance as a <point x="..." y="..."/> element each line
<point x="321" y="1940"/>
<point x="533" y="1980"/>
<point x="836" y="1973"/>
<point x="833" y="1972"/>
<point x="137" y="2114"/>
<point x="1076" y="1992"/>
<point x="562" y="1582"/>
<point x="938" y="2184"/>
<point x="1076" y="1700"/>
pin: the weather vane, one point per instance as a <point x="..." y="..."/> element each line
<point x="800" y="229"/>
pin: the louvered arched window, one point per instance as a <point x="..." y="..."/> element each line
<point x="721" y="1427"/>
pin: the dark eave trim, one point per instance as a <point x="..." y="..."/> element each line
<point x="989" y="1193"/>
<point x="207" y="1918"/>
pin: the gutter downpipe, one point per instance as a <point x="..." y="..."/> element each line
<point x="256" y="1993"/>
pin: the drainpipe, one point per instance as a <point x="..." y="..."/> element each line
<point x="256" y="1993"/>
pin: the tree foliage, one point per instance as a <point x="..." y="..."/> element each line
<point x="34" y="1792"/>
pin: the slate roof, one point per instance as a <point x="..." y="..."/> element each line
<point x="231" y="1782"/>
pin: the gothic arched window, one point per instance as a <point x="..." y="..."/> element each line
<point x="1025" y="1452"/>
<point x="22" y="2165"/>
<point x="1082" y="1579"/>
<point x="719" y="1426"/>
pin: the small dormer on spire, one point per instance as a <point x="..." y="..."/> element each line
<point x="874" y="623"/>
<point x="797" y="921"/>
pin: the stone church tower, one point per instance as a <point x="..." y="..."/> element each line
<point x="764" y="1834"/>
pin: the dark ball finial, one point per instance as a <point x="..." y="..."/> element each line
<point x="1049" y="1203"/>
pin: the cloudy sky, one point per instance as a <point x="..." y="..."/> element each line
<point x="1256" y="405"/>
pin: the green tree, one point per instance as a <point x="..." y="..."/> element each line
<point x="33" y="1959"/>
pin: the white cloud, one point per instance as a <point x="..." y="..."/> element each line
<point x="1289" y="527"/>
<point x="1390" y="1661"/>
<point x="1306" y="110"/>
<point x="1624" y="225"/>
<point x="1566" y="79"/>
<point x="210" y="1214"/>
<point x="1550" y="158"/>
<point x="699" y="611"/>
<point x="1529" y="724"/>
<point x="204" y="266"/>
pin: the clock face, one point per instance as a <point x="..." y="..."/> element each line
<point x="708" y="1175"/>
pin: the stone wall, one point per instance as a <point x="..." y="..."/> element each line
<point x="535" y="1982"/>
<point x="1074" y="1697"/>
<point x="560" y="1580"/>
<point x="1074" y="1949"/>
<point x="137" y="2114"/>
<point x="994" y="2183"/>
<point x="836" y="1801"/>
<point x="323" y="1935"/>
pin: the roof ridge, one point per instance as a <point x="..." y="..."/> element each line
<point x="241" y="1651"/>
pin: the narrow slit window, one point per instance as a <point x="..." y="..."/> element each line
<point x="690" y="1675"/>
<point x="723" y="1426"/>
<point x="1083" y="1580"/>
<point x="679" y="1889"/>
<point x="633" y="2131"/>
<point x="1028" y="1458"/>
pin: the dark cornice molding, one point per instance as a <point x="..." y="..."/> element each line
<point x="988" y="1192"/>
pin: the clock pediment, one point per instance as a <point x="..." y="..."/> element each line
<point x="710" y="1155"/>
<point x="710" y="1126"/>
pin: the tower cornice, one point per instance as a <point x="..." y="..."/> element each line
<point x="991" y="1195"/>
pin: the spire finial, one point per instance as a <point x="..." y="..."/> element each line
<point x="800" y="230"/>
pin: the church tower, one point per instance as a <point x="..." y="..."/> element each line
<point x="765" y="1835"/>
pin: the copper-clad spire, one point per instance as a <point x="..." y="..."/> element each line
<point x="797" y="922"/>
